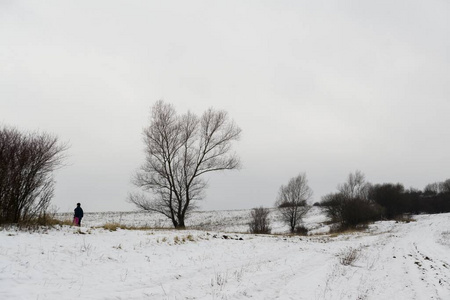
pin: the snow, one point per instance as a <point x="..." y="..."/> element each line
<point x="393" y="261"/>
<point x="224" y="220"/>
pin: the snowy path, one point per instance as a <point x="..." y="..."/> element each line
<point x="405" y="262"/>
<point x="396" y="261"/>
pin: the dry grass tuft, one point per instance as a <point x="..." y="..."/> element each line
<point x="349" y="256"/>
<point x="339" y="230"/>
<point x="114" y="226"/>
<point x="40" y="222"/>
<point x="404" y="219"/>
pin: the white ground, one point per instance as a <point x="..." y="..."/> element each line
<point x="228" y="220"/>
<point x="394" y="261"/>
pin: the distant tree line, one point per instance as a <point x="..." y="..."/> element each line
<point x="359" y="202"/>
<point x="356" y="203"/>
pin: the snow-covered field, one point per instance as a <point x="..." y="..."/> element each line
<point x="388" y="261"/>
<point x="225" y="220"/>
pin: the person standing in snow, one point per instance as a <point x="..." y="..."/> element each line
<point x="78" y="215"/>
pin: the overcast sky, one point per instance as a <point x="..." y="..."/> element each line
<point x="321" y="87"/>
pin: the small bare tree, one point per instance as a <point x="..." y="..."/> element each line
<point x="179" y="150"/>
<point x="27" y="162"/>
<point x="292" y="201"/>
<point x="259" y="220"/>
<point x="445" y="186"/>
<point x="438" y="187"/>
<point x="355" y="187"/>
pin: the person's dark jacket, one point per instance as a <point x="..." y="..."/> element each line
<point x="78" y="212"/>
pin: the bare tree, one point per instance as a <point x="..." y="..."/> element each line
<point x="355" y="187"/>
<point x="433" y="188"/>
<point x="445" y="186"/>
<point x="259" y="220"/>
<point x="179" y="150"/>
<point x="437" y="187"/>
<point x="27" y="162"/>
<point x="292" y="201"/>
<point x="352" y="206"/>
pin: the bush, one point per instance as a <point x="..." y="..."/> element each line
<point x="351" y="206"/>
<point x="349" y="256"/>
<point x="259" y="220"/>
<point x="358" y="211"/>
<point x="301" y="230"/>
<point x="27" y="162"/>
<point x="351" y="212"/>
<point x="332" y="204"/>
<point x="389" y="196"/>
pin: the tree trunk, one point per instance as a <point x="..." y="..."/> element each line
<point x="180" y="224"/>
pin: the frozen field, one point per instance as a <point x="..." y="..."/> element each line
<point x="224" y="221"/>
<point x="390" y="261"/>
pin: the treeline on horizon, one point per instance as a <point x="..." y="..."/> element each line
<point x="355" y="204"/>
<point x="358" y="202"/>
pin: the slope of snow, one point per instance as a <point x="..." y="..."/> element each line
<point x="393" y="261"/>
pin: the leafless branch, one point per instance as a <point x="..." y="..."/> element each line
<point x="179" y="150"/>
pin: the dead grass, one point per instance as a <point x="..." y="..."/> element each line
<point x="349" y="256"/>
<point x="404" y="219"/>
<point x="48" y="221"/>
<point x="112" y="226"/>
<point x="38" y="224"/>
<point x="177" y="240"/>
<point x="115" y="226"/>
<point x="335" y="232"/>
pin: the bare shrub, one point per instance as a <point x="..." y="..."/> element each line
<point x="351" y="207"/>
<point x="27" y="162"/>
<point x="355" y="187"/>
<point x="220" y="280"/>
<point x="301" y="230"/>
<point x="350" y="213"/>
<point x="259" y="220"/>
<point x="349" y="256"/>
